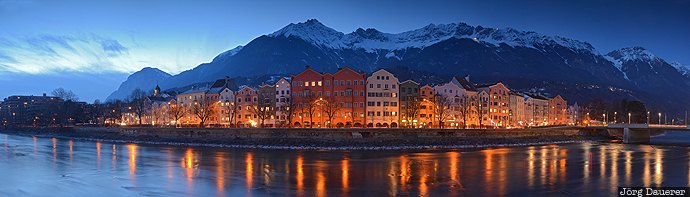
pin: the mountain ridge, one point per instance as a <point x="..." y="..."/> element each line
<point x="524" y="59"/>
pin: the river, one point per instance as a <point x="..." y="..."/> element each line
<point x="34" y="166"/>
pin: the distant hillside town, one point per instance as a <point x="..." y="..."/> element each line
<point x="312" y="99"/>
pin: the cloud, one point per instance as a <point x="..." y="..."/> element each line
<point x="46" y="54"/>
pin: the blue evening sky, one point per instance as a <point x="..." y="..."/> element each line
<point x="90" y="46"/>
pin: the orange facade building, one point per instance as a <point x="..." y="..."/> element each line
<point x="329" y="100"/>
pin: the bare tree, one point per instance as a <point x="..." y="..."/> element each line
<point x="481" y="105"/>
<point x="465" y="108"/>
<point x="203" y="110"/>
<point x="263" y="110"/>
<point x="331" y="108"/>
<point x="66" y="95"/>
<point x="289" y="111"/>
<point x="309" y="106"/>
<point x="176" y="112"/>
<point x="138" y="103"/>
<point x="231" y="109"/>
<point x="412" y="110"/>
<point x="442" y="109"/>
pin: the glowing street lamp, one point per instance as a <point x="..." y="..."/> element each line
<point x="659" y="117"/>
<point x="647" y="117"/>
<point x="615" y="118"/>
<point x="629" y="115"/>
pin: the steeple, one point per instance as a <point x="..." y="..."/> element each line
<point x="156" y="90"/>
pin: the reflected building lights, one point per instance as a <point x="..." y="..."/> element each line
<point x="220" y="173"/>
<point x="71" y="150"/>
<point x="345" y="175"/>
<point x="114" y="157"/>
<point x="189" y="164"/>
<point x="267" y="174"/>
<point x="658" y="167"/>
<point x="132" y="159"/>
<point x="98" y="154"/>
<point x="614" y="171"/>
<point x="320" y="179"/>
<point x="35" y="145"/>
<point x="249" y="161"/>
<point x="628" y="167"/>
<point x="503" y="165"/>
<point x="299" y="178"/>
<point x="646" y="175"/>
<point x="453" y="169"/>
<point x="542" y="166"/>
<point x="392" y="177"/>
<point x="530" y="166"/>
<point x="54" y="149"/>
<point x="404" y="173"/>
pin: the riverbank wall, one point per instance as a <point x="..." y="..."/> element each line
<point x="341" y="139"/>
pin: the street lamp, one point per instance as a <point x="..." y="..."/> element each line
<point x="647" y="117"/>
<point x="659" y="118"/>
<point x="629" y="115"/>
<point x="615" y="117"/>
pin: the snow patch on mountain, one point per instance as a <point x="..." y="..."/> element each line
<point x="682" y="69"/>
<point x="229" y="53"/>
<point x="618" y="64"/>
<point x="313" y="31"/>
<point x="371" y="39"/>
<point x="633" y="53"/>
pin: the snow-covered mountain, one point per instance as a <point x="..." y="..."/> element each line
<point x="145" y="79"/>
<point x="371" y="39"/>
<point x="521" y="59"/>
<point x="682" y="69"/>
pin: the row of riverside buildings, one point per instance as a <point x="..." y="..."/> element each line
<point x="351" y="99"/>
<point x="39" y="111"/>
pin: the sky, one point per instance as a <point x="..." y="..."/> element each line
<point x="92" y="46"/>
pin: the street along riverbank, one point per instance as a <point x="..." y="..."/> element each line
<point x="324" y="139"/>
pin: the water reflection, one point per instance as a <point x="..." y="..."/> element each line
<point x="345" y="175"/>
<point x="250" y="170"/>
<point x="132" y="159"/>
<point x="524" y="171"/>
<point x="299" y="177"/>
<point x="188" y="163"/>
<point x="220" y="173"/>
<point x="320" y="178"/>
<point x="98" y="154"/>
<point x="54" y="149"/>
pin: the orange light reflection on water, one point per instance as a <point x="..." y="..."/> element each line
<point x="98" y="154"/>
<point x="345" y="174"/>
<point x="132" y="158"/>
<point x="220" y="173"/>
<point x="250" y="170"/>
<point x="300" y="175"/>
<point x="320" y="179"/>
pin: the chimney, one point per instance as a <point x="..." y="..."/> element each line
<point x="306" y="67"/>
<point x="44" y="94"/>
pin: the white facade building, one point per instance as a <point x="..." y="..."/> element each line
<point x="382" y="99"/>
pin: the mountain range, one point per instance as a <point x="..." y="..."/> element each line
<point x="524" y="60"/>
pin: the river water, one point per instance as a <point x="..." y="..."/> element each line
<point x="34" y="166"/>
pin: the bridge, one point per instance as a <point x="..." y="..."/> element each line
<point x="640" y="133"/>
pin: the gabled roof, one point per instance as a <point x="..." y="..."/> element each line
<point x="346" y="68"/>
<point x="195" y="90"/>
<point x="465" y="84"/>
<point x="409" y="81"/>
<point x="307" y="69"/>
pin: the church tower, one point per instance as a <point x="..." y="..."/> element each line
<point x="156" y="91"/>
